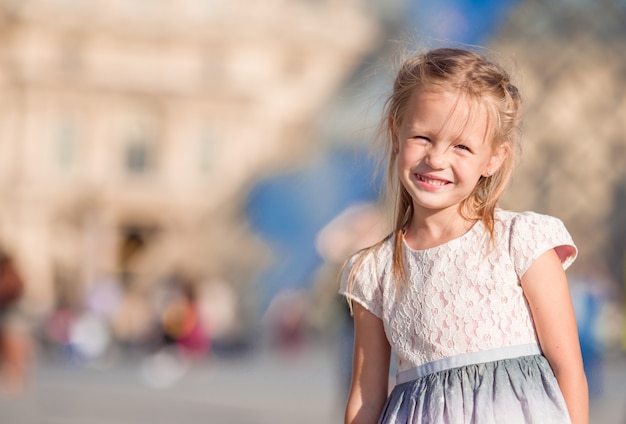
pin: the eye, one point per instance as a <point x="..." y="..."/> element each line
<point x="422" y="138"/>
<point x="462" y="147"/>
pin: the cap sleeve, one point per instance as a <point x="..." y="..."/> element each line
<point x="365" y="286"/>
<point x="533" y="234"/>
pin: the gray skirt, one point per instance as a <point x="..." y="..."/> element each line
<point x="520" y="390"/>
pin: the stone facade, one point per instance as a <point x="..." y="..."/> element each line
<point x="569" y="61"/>
<point x="131" y="130"/>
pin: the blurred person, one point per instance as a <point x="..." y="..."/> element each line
<point x="590" y="344"/>
<point x="89" y="337"/>
<point x="15" y="345"/>
<point x="104" y="297"/>
<point x="591" y="292"/>
<point x="183" y="336"/>
<point x="346" y="342"/>
<point x="472" y="300"/>
<point x="57" y="329"/>
<point x="623" y="305"/>
<point x="288" y="322"/>
<point x="182" y="324"/>
<point x="218" y="304"/>
<point x="132" y="323"/>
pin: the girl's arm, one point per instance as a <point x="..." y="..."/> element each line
<point x="370" y="369"/>
<point x="546" y="289"/>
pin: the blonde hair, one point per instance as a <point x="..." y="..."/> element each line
<point x="480" y="80"/>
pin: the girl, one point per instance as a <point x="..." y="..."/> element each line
<point x="472" y="300"/>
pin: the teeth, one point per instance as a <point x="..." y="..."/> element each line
<point x="432" y="182"/>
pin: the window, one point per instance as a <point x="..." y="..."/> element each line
<point x="66" y="143"/>
<point x="140" y="150"/>
<point x="137" y="158"/>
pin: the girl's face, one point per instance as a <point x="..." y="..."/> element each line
<point x="443" y="149"/>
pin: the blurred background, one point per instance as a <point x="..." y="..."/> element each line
<point x="181" y="181"/>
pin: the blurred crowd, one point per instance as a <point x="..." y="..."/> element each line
<point x="182" y="323"/>
<point x="178" y="323"/>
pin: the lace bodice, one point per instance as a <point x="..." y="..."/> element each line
<point x="463" y="296"/>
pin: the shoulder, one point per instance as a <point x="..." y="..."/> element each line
<point x="373" y="256"/>
<point x="526" y="220"/>
<point x="362" y="275"/>
<point x="523" y="216"/>
<point x="530" y="234"/>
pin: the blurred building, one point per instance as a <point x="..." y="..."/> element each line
<point x="569" y="58"/>
<point x="131" y="130"/>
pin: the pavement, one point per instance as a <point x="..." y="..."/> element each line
<point x="260" y="388"/>
<point x="609" y="405"/>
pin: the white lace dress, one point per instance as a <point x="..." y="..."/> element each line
<point x="463" y="337"/>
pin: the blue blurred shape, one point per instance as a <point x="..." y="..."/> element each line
<point x="288" y="211"/>
<point x="460" y="21"/>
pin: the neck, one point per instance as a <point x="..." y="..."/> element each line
<point x="432" y="229"/>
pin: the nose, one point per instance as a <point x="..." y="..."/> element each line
<point x="436" y="158"/>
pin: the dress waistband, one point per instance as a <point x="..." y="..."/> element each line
<point x="468" y="359"/>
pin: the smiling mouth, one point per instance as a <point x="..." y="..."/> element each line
<point x="431" y="181"/>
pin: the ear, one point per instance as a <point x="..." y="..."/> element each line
<point x="500" y="153"/>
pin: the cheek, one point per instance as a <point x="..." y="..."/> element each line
<point x="410" y="153"/>
<point x="400" y="164"/>
<point x="471" y="171"/>
<point x="405" y="160"/>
